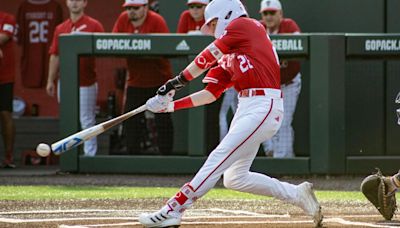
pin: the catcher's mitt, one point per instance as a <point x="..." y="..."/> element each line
<point x="375" y="188"/>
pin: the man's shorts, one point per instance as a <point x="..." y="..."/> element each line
<point x="6" y="97"/>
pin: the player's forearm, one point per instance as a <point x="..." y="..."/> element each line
<point x="200" y="98"/>
<point x="53" y="68"/>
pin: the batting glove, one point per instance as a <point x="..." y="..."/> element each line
<point x="159" y="103"/>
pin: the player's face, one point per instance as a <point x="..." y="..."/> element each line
<point x="197" y="11"/>
<point x="272" y="19"/>
<point x="76" y="6"/>
<point x="136" y="13"/>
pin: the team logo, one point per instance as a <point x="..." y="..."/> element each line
<point x="268" y="3"/>
<point x="182" y="46"/>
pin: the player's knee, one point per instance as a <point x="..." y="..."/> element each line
<point x="234" y="180"/>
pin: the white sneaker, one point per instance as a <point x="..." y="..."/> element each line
<point x="308" y="202"/>
<point x="159" y="219"/>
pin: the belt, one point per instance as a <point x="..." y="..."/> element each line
<point x="276" y="93"/>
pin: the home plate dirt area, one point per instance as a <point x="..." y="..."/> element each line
<point x="215" y="213"/>
<point x="205" y="213"/>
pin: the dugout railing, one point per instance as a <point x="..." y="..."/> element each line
<point x="325" y="55"/>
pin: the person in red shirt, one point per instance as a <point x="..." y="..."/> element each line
<point x="145" y="76"/>
<point x="37" y="20"/>
<point x="192" y="19"/>
<point x="281" y="145"/>
<point x="7" y="77"/>
<point x="248" y="62"/>
<point x="78" y="22"/>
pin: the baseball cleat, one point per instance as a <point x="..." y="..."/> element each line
<point x="309" y="203"/>
<point x="159" y="219"/>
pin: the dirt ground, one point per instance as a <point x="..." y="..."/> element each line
<point x="205" y="213"/>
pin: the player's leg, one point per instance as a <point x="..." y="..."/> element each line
<point x="87" y="105"/>
<point x="283" y="146"/>
<point x="7" y="123"/>
<point x="246" y="131"/>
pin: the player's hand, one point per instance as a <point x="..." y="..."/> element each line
<point x="161" y="103"/>
<point x="50" y="89"/>
<point x="176" y="84"/>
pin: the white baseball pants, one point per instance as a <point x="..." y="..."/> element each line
<point x="257" y="119"/>
<point x="282" y="143"/>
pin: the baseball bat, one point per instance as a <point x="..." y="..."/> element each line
<point x="78" y="138"/>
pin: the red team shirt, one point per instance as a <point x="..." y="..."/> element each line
<point x="254" y="63"/>
<point x="151" y="72"/>
<point x="7" y="63"/>
<point x="187" y="23"/>
<point x="37" y="20"/>
<point x="289" y="69"/>
<point x="87" y="71"/>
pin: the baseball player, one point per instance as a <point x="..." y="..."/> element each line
<point x="250" y="64"/>
<point x="145" y="77"/>
<point x="7" y="77"/>
<point x="78" y="22"/>
<point x="37" y="21"/>
<point x="281" y="144"/>
<point x="192" y="19"/>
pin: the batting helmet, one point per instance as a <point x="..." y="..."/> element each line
<point x="226" y="11"/>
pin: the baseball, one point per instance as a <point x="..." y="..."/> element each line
<point x="43" y="150"/>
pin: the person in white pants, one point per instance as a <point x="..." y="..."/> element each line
<point x="77" y="23"/>
<point x="281" y="145"/>
<point x="250" y="64"/>
<point x="229" y="102"/>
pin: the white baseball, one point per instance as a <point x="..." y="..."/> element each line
<point x="43" y="150"/>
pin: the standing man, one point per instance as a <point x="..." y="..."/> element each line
<point x="252" y="68"/>
<point x="37" y="21"/>
<point x="78" y="22"/>
<point x="7" y="77"/>
<point x="192" y="19"/>
<point x="145" y="76"/>
<point x="281" y="145"/>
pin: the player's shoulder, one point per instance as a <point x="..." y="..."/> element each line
<point x="155" y="16"/>
<point x="289" y="23"/>
<point x="92" y="20"/>
<point x="6" y="16"/>
<point x="185" y="14"/>
<point x="244" y="23"/>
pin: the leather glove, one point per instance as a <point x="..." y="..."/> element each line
<point x="176" y="84"/>
<point x="159" y="103"/>
<point x="375" y="188"/>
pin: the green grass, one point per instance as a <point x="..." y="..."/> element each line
<point x="93" y="192"/>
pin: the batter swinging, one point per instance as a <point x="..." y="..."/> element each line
<point x="247" y="61"/>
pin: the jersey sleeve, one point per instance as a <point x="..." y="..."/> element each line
<point x="117" y="25"/>
<point x="182" y="24"/>
<point x="293" y="27"/>
<point x="162" y="26"/>
<point x="99" y="27"/>
<point x="54" y="44"/>
<point x="218" y="80"/>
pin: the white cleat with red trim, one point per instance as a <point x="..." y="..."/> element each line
<point x="309" y="203"/>
<point x="159" y="219"/>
